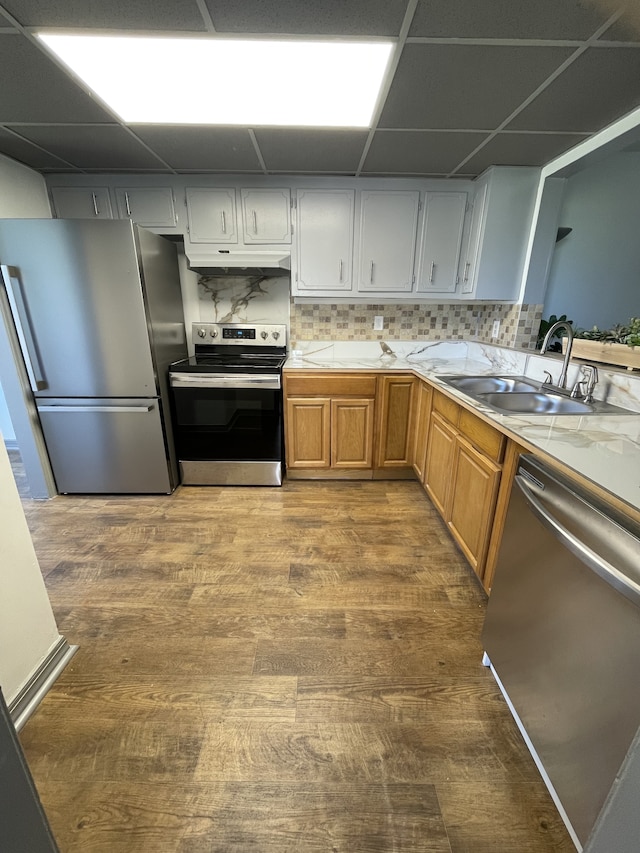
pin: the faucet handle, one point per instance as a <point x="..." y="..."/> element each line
<point x="548" y="378"/>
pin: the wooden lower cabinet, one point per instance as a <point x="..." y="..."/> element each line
<point x="395" y="426"/>
<point x="462" y="475"/>
<point x="330" y="424"/>
<point x="349" y="424"/>
<point x="352" y="433"/>
<point x="474" y="488"/>
<point x="424" y="395"/>
<point x="308" y="432"/>
<point x="439" y="462"/>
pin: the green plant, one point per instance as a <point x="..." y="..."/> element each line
<point x="545" y="325"/>
<point x="628" y="334"/>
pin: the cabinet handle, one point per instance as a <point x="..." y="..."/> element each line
<point x="466" y="271"/>
<point x="224" y="222"/>
<point x="255" y="222"/>
<point x="95" y="204"/>
<point x="126" y="201"/>
<point x="341" y="265"/>
<point x="371" y="273"/>
<point x="433" y="267"/>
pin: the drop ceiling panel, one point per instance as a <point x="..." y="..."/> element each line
<point x="110" y="14"/>
<point x="520" y="149"/>
<point x="105" y="147"/>
<point x="507" y="19"/>
<point x="471" y="87"/>
<point x="419" y="152"/>
<point x="627" y="27"/>
<point x="311" y="150"/>
<point x="320" y="17"/>
<point x="201" y="148"/>
<point x="599" y="87"/>
<point x="34" y="89"/>
<point x="27" y="153"/>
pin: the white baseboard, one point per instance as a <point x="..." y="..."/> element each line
<point x="34" y="691"/>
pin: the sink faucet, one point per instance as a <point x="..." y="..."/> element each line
<point x="562" y="381"/>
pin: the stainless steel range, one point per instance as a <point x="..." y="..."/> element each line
<point x="227" y="405"/>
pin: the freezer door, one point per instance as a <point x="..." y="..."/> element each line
<point x="106" y="446"/>
<point x="76" y="294"/>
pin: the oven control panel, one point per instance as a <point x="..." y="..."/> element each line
<point x="239" y="333"/>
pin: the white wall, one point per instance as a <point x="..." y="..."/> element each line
<point x="28" y="630"/>
<point x="6" y="426"/>
<point x="595" y="271"/>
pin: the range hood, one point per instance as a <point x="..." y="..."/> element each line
<point x="212" y="262"/>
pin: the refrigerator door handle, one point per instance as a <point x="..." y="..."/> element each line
<point x="11" y="278"/>
<point x="95" y="408"/>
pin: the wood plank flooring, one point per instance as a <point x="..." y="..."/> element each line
<point x="274" y="670"/>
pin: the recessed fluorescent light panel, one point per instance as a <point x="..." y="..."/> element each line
<point x="229" y="81"/>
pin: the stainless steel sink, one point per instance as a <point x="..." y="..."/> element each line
<point x="487" y="384"/>
<point x="535" y="403"/>
<point x="521" y="395"/>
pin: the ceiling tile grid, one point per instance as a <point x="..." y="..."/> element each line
<point x="504" y="82"/>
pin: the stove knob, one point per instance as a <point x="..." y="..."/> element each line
<point x="202" y="333"/>
<point x="275" y="335"/>
<point x="264" y="335"/>
<point x="214" y="333"/>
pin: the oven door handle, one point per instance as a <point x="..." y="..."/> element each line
<point x="238" y="380"/>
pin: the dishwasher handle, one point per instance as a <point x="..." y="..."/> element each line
<point x="609" y="574"/>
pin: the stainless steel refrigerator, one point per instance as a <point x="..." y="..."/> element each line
<point x="97" y="311"/>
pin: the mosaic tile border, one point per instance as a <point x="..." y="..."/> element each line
<point x="413" y="322"/>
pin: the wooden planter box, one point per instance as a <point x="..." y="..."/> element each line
<point x="618" y="354"/>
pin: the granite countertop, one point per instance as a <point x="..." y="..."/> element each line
<point x="604" y="449"/>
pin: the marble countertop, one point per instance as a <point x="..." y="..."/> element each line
<point x="604" y="449"/>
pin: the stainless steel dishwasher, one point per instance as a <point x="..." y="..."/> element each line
<point x="562" y="636"/>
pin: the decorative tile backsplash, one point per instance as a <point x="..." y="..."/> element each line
<point x="427" y="321"/>
<point x="253" y="299"/>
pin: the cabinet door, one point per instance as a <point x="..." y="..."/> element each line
<point x="352" y="433"/>
<point x="82" y="202"/>
<point x="308" y="432"/>
<point x="395" y="395"/>
<point x="474" y="487"/>
<point x="324" y="240"/>
<point x="441" y="240"/>
<point x="388" y="228"/>
<point x="475" y="239"/>
<point x="266" y="215"/>
<point x="421" y="431"/>
<point x="211" y="215"/>
<point x="151" y="207"/>
<point x="440" y="447"/>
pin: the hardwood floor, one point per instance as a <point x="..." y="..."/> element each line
<point x="262" y="670"/>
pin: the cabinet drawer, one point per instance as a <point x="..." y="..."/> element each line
<point x="331" y="386"/>
<point x="482" y="435"/>
<point x="446" y="407"/>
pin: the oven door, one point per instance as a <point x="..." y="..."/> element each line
<point x="228" y="428"/>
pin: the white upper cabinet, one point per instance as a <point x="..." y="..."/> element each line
<point x="211" y="215"/>
<point x="475" y="236"/>
<point x="500" y="225"/>
<point x="151" y="207"/>
<point x="266" y="215"/>
<point x="388" y="227"/>
<point x="324" y="241"/>
<point x="440" y="242"/>
<point x="82" y="202"/>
